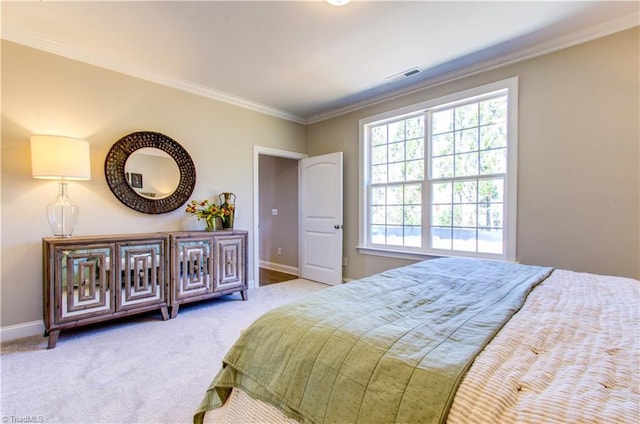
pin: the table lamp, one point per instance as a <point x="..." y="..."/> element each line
<point x="60" y="158"/>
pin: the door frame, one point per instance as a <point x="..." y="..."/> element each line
<point x="268" y="151"/>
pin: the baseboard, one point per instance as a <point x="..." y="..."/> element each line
<point x="280" y="267"/>
<point x="18" y="331"/>
<point x="34" y="328"/>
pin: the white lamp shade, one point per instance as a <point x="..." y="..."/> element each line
<point x="56" y="157"/>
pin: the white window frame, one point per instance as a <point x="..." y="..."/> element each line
<point x="511" y="179"/>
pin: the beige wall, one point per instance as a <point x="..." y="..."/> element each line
<point x="579" y="190"/>
<point x="44" y="93"/>
<point x="578" y="158"/>
<point x="279" y="190"/>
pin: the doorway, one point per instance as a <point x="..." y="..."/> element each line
<point x="275" y="215"/>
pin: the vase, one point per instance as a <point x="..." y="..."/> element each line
<point x="212" y="224"/>
<point x="228" y="203"/>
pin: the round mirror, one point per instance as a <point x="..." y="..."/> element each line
<point x="150" y="172"/>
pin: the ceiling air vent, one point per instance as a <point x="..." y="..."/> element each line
<point x="402" y="75"/>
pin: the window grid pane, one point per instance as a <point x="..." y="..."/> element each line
<point x="472" y="219"/>
<point x="395" y="214"/>
<point x="397" y="171"/>
<point x="468" y="142"/>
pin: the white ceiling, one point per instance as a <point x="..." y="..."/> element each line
<point x="306" y="60"/>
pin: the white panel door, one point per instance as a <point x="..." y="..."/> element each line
<point x="321" y="218"/>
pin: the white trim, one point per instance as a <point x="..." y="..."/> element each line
<point x="414" y="256"/>
<point x="280" y="267"/>
<point x="363" y="220"/>
<point x="257" y="151"/>
<point x="19" y="331"/>
<point x="511" y="191"/>
<point x="441" y="101"/>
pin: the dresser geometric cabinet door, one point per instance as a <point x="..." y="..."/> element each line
<point x="142" y="272"/>
<point x="191" y="268"/>
<point x="206" y="265"/>
<point x="231" y="253"/>
<point x="91" y="279"/>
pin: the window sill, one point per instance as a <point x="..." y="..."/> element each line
<point x="421" y="256"/>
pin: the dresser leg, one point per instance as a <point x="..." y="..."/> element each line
<point x="244" y="294"/>
<point x="165" y="313"/>
<point x="174" y="311"/>
<point x="53" y="339"/>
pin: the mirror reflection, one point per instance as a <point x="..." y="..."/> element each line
<point x="152" y="173"/>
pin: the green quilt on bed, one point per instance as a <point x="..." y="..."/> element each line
<point x="388" y="348"/>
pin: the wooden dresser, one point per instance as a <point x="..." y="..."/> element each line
<point x="207" y="264"/>
<point x="90" y="279"/>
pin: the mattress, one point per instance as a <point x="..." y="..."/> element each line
<point x="570" y="354"/>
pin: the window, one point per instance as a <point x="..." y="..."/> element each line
<point x="439" y="178"/>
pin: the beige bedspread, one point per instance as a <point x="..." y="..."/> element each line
<point x="570" y="355"/>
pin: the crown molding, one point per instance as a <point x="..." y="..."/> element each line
<point x="64" y="50"/>
<point x="586" y="34"/>
<point x="582" y="36"/>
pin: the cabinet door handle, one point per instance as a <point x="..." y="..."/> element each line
<point x="337" y="227"/>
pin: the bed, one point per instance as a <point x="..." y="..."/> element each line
<point x="446" y="340"/>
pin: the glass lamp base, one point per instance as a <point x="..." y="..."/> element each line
<point x="62" y="213"/>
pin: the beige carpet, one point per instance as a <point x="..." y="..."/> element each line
<point x="138" y="370"/>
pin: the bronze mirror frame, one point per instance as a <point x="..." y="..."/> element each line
<point x="114" y="171"/>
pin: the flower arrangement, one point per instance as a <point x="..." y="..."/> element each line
<point x="210" y="212"/>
